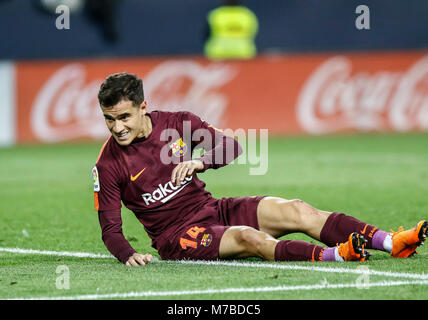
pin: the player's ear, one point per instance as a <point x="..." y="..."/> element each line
<point x="143" y="107"/>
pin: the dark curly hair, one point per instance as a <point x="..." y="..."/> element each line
<point x="121" y="86"/>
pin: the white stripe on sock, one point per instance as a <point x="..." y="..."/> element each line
<point x="387" y="243"/>
<point x="337" y="255"/>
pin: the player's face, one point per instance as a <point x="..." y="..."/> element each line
<point x="125" y="121"/>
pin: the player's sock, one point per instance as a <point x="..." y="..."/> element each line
<point x="382" y="240"/>
<point x="339" y="226"/>
<point x="331" y="254"/>
<point x="296" y="250"/>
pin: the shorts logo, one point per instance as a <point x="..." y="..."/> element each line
<point x="206" y="239"/>
<point x="178" y="148"/>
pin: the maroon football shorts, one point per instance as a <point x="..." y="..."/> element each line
<point x="199" y="238"/>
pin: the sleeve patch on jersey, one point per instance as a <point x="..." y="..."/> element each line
<point x="96" y="179"/>
<point x="96" y="202"/>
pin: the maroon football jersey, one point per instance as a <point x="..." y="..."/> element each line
<point x="139" y="176"/>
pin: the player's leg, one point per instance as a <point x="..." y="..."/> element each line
<point x="278" y="217"/>
<point x="243" y="242"/>
<point x="401" y="244"/>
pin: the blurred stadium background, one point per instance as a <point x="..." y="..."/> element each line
<point x="315" y="72"/>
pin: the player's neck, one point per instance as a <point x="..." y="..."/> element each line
<point x="146" y="127"/>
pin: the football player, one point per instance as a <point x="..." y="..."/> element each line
<point x="147" y="165"/>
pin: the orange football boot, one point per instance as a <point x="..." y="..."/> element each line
<point x="353" y="249"/>
<point x="405" y="242"/>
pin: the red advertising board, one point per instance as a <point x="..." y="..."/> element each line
<point x="289" y="94"/>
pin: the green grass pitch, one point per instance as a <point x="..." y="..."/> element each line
<point x="46" y="204"/>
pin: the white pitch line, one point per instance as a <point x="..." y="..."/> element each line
<point x="231" y="290"/>
<point x="56" y="253"/>
<point x="281" y="266"/>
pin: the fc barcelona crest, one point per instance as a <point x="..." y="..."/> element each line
<point x="206" y="240"/>
<point x="178" y="148"/>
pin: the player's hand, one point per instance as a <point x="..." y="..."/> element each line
<point x="138" y="259"/>
<point x="185" y="169"/>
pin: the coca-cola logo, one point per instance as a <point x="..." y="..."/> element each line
<point x="334" y="99"/>
<point x="67" y="108"/>
<point x="187" y="85"/>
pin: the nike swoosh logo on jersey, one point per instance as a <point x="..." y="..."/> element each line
<point x="133" y="178"/>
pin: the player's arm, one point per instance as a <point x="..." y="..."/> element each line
<point x="112" y="235"/>
<point x="220" y="149"/>
<point x="115" y="241"/>
<point x="108" y="204"/>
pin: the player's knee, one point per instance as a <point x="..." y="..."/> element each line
<point x="252" y="240"/>
<point x="300" y="205"/>
<point x="298" y="211"/>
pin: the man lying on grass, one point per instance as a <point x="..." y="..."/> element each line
<point x="146" y="164"/>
